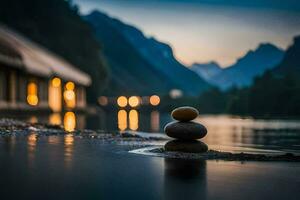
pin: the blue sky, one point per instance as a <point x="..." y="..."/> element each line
<point x="206" y="30"/>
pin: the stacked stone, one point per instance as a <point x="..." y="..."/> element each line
<point x="185" y="131"/>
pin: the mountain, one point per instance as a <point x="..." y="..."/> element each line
<point x="291" y="62"/>
<point x="254" y="63"/>
<point x="206" y="70"/>
<point x="56" y="25"/>
<point x="140" y="65"/>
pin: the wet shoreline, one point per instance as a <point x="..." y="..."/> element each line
<point x="134" y="142"/>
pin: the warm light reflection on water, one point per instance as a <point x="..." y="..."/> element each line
<point x="31" y="143"/>
<point x="155" y="121"/>
<point x="223" y="130"/>
<point x="122" y="120"/>
<point x="133" y="120"/>
<point x="53" y="140"/>
<point x="69" y="121"/>
<point x="68" y="149"/>
<point x="33" y="119"/>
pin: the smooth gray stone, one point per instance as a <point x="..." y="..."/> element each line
<point x="185" y="130"/>
<point x="185" y="146"/>
<point x="185" y="113"/>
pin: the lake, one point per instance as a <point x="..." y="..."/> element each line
<point x="225" y="132"/>
<point x="69" y="167"/>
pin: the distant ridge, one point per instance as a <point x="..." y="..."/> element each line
<point x="206" y="70"/>
<point x="291" y="61"/>
<point x="266" y="56"/>
<point x="140" y="65"/>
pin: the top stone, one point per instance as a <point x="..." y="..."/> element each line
<point x="185" y="113"/>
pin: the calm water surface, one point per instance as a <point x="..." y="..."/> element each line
<point x="225" y="132"/>
<point x="69" y="167"/>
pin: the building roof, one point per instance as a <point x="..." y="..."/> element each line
<point x="18" y="51"/>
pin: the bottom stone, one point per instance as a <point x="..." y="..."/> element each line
<point x="191" y="146"/>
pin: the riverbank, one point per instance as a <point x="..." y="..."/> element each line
<point x="135" y="142"/>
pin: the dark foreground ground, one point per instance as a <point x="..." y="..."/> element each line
<point x="46" y="163"/>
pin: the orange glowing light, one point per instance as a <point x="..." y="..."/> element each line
<point x="133" y="120"/>
<point x="32" y="94"/>
<point x="32" y="100"/>
<point x="154" y="100"/>
<point x="56" y="82"/>
<point x="70" y="86"/>
<point x="122" y="120"/>
<point x="134" y="101"/>
<point x="69" y="122"/>
<point x="122" y="101"/>
<point x="33" y="119"/>
<point x="55" y="95"/>
<point x="69" y="95"/>
<point x="55" y="119"/>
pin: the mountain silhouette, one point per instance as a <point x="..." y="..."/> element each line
<point x="291" y="62"/>
<point x="140" y="65"/>
<point x="254" y="63"/>
<point x="206" y="70"/>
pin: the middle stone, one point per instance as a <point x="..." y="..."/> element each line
<point x="185" y="130"/>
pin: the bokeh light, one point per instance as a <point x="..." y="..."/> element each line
<point x="122" y="101"/>
<point x="103" y="101"/>
<point x="32" y="94"/>
<point x="55" y="95"/>
<point x="122" y="120"/>
<point x="55" y="119"/>
<point x="69" y="95"/>
<point x="175" y="93"/>
<point x="70" y="86"/>
<point x="134" y="101"/>
<point x="154" y="100"/>
<point x="56" y="82"/>
<point x="69" y="121"/>
<point x="133" y="120"/>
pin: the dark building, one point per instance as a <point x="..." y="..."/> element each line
<point x="32" y="77"/>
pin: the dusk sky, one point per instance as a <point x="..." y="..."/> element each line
<point x="207" y="30"/>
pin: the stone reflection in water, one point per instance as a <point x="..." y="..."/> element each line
<point x="122" y="120"/>
<point x="155" y="125"/>
<point x="133" y="120"/>
<point x="31" y="146"/>
<point x="69" y="121"/>
<point x="188" y="174"/>
<point x="68" y="150"/>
